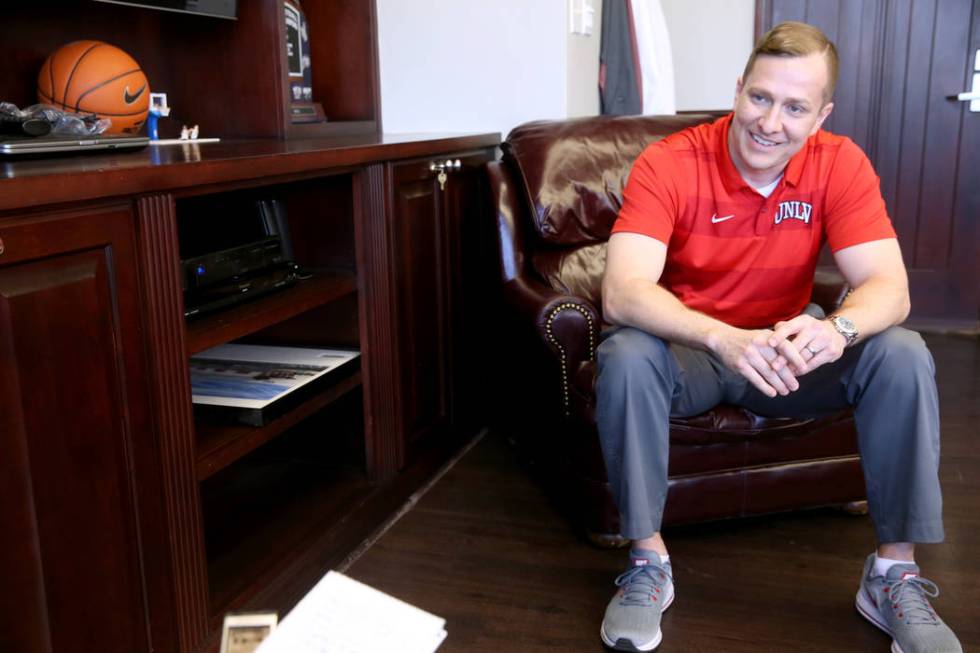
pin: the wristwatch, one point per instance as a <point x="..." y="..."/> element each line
<point x="844" y="327"/>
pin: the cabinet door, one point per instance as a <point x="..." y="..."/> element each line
<point x="422" y="272"/>
<point x="72" y="418"/>
<point x="435" y="246"/>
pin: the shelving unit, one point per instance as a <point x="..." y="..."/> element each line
<point x="225" y="75"/>
<point x="265" y="490"/>
<point x="178" y="520"/>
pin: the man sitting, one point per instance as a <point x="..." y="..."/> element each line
<point x="708" y="275"/>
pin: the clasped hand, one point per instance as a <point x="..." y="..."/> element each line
<point x="773" y="359"/>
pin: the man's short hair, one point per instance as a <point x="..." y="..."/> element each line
<point x="792" y="39"/>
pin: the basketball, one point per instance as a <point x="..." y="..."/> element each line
<point x="95" y="77"/>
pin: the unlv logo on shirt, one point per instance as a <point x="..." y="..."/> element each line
<point x="794" y="210"/>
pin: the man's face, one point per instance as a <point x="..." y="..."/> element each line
<point x="777" y="108"/>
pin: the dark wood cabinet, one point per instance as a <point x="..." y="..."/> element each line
<point x="122" y="501"/>
<point x="134" y="525"/>
<point x="77" y="480"/>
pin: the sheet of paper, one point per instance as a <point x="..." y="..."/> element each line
<point x="341" y="615"/>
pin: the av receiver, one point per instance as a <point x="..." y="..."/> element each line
<point x="232" y="248"/>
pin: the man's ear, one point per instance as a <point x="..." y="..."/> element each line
<point x="827" y="108"/>
<point x="738" y="88"/>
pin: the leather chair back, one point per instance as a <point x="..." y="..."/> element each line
<point x="570" y="179"/>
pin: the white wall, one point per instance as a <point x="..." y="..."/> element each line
<point x="489" y="65"/>
<point x="582" y="69"/>
<point x="471" y="65"/>
<point x="711" y="41"/>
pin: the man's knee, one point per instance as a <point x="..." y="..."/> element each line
<point x="628" y="352"/>
<point x="899" y="351"/>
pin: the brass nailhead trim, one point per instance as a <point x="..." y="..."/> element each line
<point x="564" y="362"/>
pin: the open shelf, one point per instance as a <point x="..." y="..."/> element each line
<point x="239" y="321"/>
<point x="261" y="510"/>
<point x="220" y="445"/>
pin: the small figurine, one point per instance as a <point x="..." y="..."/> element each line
<point x="158" y="108"/>
<point x="185" y="133"/>
<point x="194" y="132"/>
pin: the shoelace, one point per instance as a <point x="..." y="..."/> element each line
<point x="640" y="583"/>
<point x="908" y="599"/>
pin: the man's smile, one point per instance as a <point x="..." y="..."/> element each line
<point x="762" y="141"/>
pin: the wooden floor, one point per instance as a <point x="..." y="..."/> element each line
<point x="485" y="549"/>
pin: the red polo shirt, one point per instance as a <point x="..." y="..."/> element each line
<point x="733" y="254"/>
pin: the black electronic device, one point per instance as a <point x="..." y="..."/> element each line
<point x="217" y="268"/>
<point x="241" y="288"/>
<point x="217" y="8"/>
<point x="232" y="248"/>
<point x="23" y="125"/>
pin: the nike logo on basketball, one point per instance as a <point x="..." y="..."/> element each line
<point x="129" y="99"/>
<point x="715" y="219"/>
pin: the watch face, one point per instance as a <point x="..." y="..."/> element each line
<point x="846" y="324"/>
<point x="846" y="327"/>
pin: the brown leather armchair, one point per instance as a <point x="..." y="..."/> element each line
<point x="556" y="193"/>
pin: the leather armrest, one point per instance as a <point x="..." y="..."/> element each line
<point x="567" y="325"/>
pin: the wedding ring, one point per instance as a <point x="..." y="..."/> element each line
<point x="810" y="349"/>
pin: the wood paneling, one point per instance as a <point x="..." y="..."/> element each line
<point x="164" y="324"/>
<point x="378" y="328"/>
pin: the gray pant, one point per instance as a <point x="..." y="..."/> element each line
<point x="888" y="379"/>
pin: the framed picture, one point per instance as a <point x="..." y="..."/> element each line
<point x="243" y="632"/>
<point x="299" y="77"/>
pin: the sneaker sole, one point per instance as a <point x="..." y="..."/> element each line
<point x="868" y="610"/>
<point x="623" y="644"/>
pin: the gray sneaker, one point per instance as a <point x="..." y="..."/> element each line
<point x="898" y="604"/>
<point x="632" y="621"/>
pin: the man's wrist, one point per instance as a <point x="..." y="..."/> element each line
<point x="845" y="327"/>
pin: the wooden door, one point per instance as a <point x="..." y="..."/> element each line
<point x="74" y="433"/>
<point x="900" y="60"/>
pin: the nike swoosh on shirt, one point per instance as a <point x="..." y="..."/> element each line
<point x="715" y="219"/>
<point x="129" y="99"/>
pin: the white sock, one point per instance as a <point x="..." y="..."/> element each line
<point x="882" y="565"/>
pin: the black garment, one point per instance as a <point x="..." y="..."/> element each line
<point x="619" y="92"/>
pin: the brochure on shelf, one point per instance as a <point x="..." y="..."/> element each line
<point x="254" y="384"/>
<point x="342" y="615"/>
